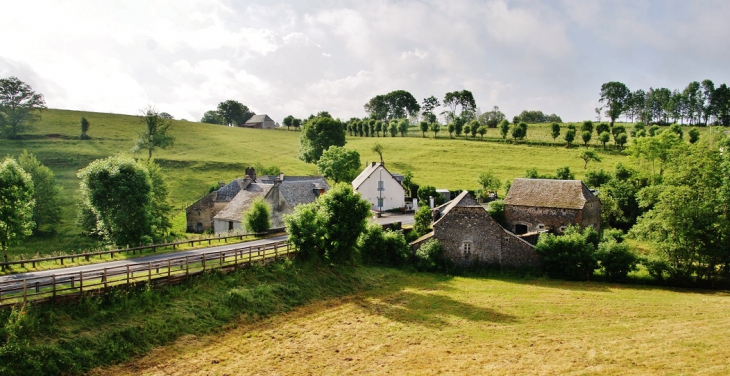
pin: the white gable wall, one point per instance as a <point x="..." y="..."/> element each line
<point x="393" y="195"/>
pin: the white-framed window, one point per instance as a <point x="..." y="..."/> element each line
<point x="466" y="249"/>
<point x="563" y="228"/>
<point x="540" y="226"/>
<point x="381" y="185"/>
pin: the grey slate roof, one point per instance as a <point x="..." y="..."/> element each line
<point x="549" y="193"/>
<point x="243" y="200"/>
<point x="258" y="119"/>
<point x="230" y="190"/>
<point x="301" y="192"/>
<point x="463" y="199"/>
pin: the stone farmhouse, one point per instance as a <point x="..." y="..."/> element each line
<point x="536" y="205"/>
<point x="470" y="237"/>
<point x="260" y="122"/>
<point x="222" y="210"/>
<point x="378" y="186"/>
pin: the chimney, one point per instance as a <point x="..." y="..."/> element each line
<point x="373" y="164"/>
<point x="251" y="173"/>
<point x="221" y="184"/>
<point x="281" y="176"/>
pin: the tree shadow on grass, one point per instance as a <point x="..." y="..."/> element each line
<point x="427" y="306"/>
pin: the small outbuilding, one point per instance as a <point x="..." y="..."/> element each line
<point x="260" y="122"/>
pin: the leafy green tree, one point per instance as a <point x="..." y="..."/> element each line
<point x="257" y="219"/>
<point x="569" y="136"/>
<point x="586" y="136"/>
<point x="160" y="207"/>
<point x="84" y="125"/>
<point x="602" y="127"/>
<point x="587" y="126"/>
<point x="595" y="179"/>
<point x="403" y="127"/>
<point x="424" y="128"/>
<point x="456" y="99"/>
<point x="427" y="191"/>
<point x="496" y="211"/>
<point x="318" y="134"/>
<point x="504" y="128"/>
<point x="422" y="219"/>
<point x="234" y="113"/>
<point x="604" y="138"/>
<point x="473" y="128"/>
<point x="621" y="139"/>
<point x="554" y="130"/>
<point x="307" y="231"/>
<point x="676" y="128"/>
<point x="451" y="128"/>
<point x="46" y="193"/>
<point x="482" y="130"/>
<point x="155" y="133"/>
<point x="467" y="129"/>
<point x="458" y="125"/>
<point x="694" y="135"/>
<point x="563" y="173"/>
<point x="654" y="130"/>
<point x="378" y="247"/>
<point x="589" y="155"/>
<point x="435" y="128"/>
<point x="492" y="118"/>
<point x="614" y="95"/>
<point x="488" y="182"/>
<point x="211" y="117"/>
<point x="345" y="217"/>
<point x="393" y="128"/>
<point x="430" y="257"/>
<point x="616" y="260"/>
<point x="289" y="122"/>
<point x="570" y="256"/>
<point x="339" y="164"/>
<point x="118" y="191"/>
<point x="394" y="105"/>
<point x="20" y="106"/>
<point x="297" y="123"/>
<point x="519" y="131"/>
<point x="16" y="209"/>
<point x="429" y="104"/>
<point x="378" y="127"/>
<point x="378" y="148"/>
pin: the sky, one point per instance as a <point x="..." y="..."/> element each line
<point x="297" y="58"/>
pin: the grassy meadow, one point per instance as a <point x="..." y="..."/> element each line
<point x="425" y="324"/>
<point x="205" y="154"/>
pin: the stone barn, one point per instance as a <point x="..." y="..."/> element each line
<point x="260" y="122"/>
<point x="470" y="237"/>
<point x="536" y="205"/>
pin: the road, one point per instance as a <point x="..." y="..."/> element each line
<point x="387" y="219"/>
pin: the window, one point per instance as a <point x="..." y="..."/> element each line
<point x="520" y="229"/>
<point x="466" y="249"/>
<point x="540" y="226"/>
<point x="563" y="228"/>
<point x="381" y="186"/>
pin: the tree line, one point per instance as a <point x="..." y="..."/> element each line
<point x="699" y="103"/>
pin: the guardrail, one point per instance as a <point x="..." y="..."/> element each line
<point x="64" y="286"/>
<point x="87" y="256"/>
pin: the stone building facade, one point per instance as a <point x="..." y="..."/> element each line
<point x="536" y="205"/>
<point x="471" y="237"/>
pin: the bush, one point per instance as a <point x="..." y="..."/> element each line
<point x="422" y="221"/>
<point x="430" y="257"/>
<point x="378" y="247"/>
<point x="613" y="234"/>
<point x="616" y="260"/>
<point x="258" y="218"/>
<point x="570" y="256"/>
<point x="496" y="211"/>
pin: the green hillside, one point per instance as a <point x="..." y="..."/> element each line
<point x="204" y="154"/>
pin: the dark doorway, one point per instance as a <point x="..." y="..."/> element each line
<point x="520" y="229"/>
<point x="198" y="227"/>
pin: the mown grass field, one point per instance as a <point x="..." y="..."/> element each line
<point x="205" y="154"/>
<point x="425" y="324"/>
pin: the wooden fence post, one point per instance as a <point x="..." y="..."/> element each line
<point x="25" y="292"/>
<point x="81" y="281"/>
<point x="105" y="283"/>
<point x="54" y="286"/>
<point x="235" y="259"/>
<point x="202" y="257"/>
<point x="168" y="271"/>
<point x="149" y="272"/>
<point x="187" y="267"/>
<point x="249" y="256"/>
<point x="276" y="252"/>
<point x="127" y="274"/>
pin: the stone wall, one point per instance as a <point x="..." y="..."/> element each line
<point x="592" y="215"/>
<point x="199" y="216"/>
<point x="470" y="236"/>
<point x="550" y="218"/>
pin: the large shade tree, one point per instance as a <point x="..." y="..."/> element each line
<point x="16" y="204"/>
<point x="614" y="96"/>
<point x="394" y="105"/>
<point x="20" y="106"/>
<point x="46" y="193"/>
<point x="318" y="134"/>
<point x="339" y="164"/>
<point x="234" y="112"/>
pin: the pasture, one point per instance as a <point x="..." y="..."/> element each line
<point x="425" y="324"/>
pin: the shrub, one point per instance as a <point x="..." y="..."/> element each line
<point x="616" y="260"/>
<point x="378" y="247"/>
<point x="258" y="218"/>
<point x="422" y="220"/>
<point x="570" y="256"/>
<point x="496" y="211"/>
<point x="430" y="257"/>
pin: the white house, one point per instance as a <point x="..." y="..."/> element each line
<point x="379" y="187"/>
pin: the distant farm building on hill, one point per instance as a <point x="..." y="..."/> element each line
<point x="221" y="211"/>
<point x="260" y="122"/>
<point x="380" y="188"/>
<point x="535" y="205"/>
